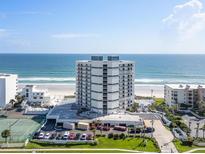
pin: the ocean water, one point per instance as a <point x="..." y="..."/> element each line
<point x="60" y="68"/>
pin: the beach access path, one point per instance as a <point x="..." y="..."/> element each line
<point x="163" y="137"/>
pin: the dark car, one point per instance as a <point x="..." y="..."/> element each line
<point x="120" y="128"/>
<point x="149" y="130"/>
<point x="133" y="131"/>
<point x="53" y="136"/>
<point x="59" y="137"/>
<point x="77" y="136"/>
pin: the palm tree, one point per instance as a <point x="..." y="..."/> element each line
<point x="94" y="126"/>
<point x="12" y="102"/>
<point x="203" y="129"/>
<point x="94" y="129"/>
<point x="5" y="134"/>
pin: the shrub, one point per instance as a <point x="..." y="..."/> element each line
<point x="110" y="135"/>
<point x="94" y="143"/>
<point x="103" y="135"/>
<point x="98" y="135"/>
<point x="130" y="135"/>
<point x="115" y="136"/>
<point x="122" y="136"/>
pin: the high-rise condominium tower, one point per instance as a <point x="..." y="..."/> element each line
<point x="8" y="88"/>
<point x="105" y="86"/>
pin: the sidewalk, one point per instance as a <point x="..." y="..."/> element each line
<point x="163" y="137"/>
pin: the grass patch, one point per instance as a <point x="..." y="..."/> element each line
<point x="128" y="143"/>
<point x="66" y="151"/>
<point x="183" y="148"/>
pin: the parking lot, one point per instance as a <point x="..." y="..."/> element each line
<point x="87" y="135"/>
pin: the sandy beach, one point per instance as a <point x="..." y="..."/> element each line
<point x="68" y="89"/>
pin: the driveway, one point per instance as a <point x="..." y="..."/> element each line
<point x="163" y="137"/>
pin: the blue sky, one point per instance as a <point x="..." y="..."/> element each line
<point x="102" y="26"/>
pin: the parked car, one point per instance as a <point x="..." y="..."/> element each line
<point x="120" y="128"/>
<point x="133" y="131"/>
<point x="106" y="128"/>
<point x="59" y="137"/>
<point x="99" y="127"/>
<point x="83" y="137"/>
<point x="53" y="136"/>
<point x="72" y="136"/>
<point x="78" y="136"/>
<point x="47" y="136"/>
<point x="89" y="137"/>
<point x="41" y="135"/>
<point x="149" y="130"/>
<point x="66" y="135"/>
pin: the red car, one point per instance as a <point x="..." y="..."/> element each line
<point x="89" y="137"/>
<point x="105" y="128"/>
<point x="120" y="128"/>
<point x="72" y="136"/>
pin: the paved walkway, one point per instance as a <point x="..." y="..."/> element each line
<point x="191" y="151"/>
<point x="163" y="137"/>
<point x="63" y="149"/>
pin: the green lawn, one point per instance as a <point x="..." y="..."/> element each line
<point x="128" y="143"/>
<point x="66" y="151"/>
<point x="183" y="148"/>
<point x="199" y="151"/>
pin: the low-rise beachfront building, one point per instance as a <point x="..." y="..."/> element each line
<point x="121" y="120"/>
<point x="183" y="95"/>
<point x="8" y="88"/>
<point x="105" y="86"/>
<point x="34" y="95"/>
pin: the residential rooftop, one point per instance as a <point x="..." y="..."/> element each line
<point x="120" y="117"/>
<point x="4" y="75"/>
<point x="185" y="86"/>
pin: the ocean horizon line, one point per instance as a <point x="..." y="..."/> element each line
<point x="91" y="53"/>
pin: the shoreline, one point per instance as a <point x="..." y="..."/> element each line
<point x="57" y="89"/>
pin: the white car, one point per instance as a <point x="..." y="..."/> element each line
<point x="66" y="135"/>
<point x="83" y="137"/>
<point x="41" y="136"/>
<point x="47" y="136"/>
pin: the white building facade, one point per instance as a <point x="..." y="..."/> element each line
<point x="183" y="95"/>
<point x="105" y="86"/>
<point x="34" y="95"/>
<point x="8" y="88"/>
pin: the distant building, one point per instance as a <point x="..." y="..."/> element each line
<point x="34" y="95"/>
<point x="182" y="95"/>
<point x="8" y="88"/>
<point x="105" y="86"/>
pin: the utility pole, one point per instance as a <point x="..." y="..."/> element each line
<point x="151" y="93"/>
<point x="190" y="127"/>
<point x="152" y="122"/>
<point x="197" y="129"/>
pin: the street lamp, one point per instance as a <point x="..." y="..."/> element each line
<point x="197" y="129"/>
<point x="152" y="122"/>
<point x="151" y="93"/>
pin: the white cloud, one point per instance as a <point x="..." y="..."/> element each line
<point x="74" y="35"/>
<point x="3" y="33"/>
<point x="34" y="13"/>
<point x="186" y="20"/>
